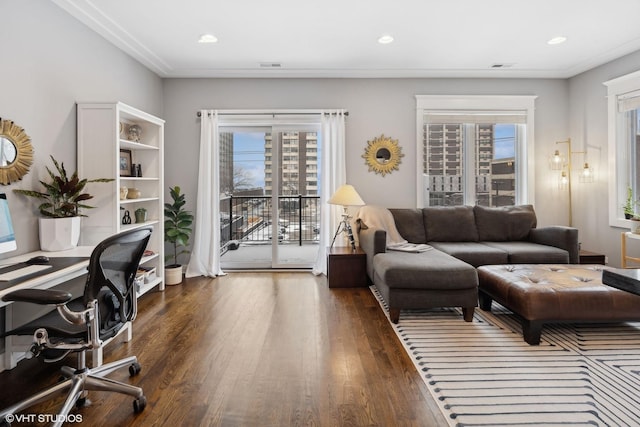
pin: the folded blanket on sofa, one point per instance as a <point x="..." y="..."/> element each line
<point x="378" y="217"/>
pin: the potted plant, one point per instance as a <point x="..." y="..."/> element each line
<point x="177" y="230"/>
<point x="63" y="198"/>
<point x="629" y="206"/>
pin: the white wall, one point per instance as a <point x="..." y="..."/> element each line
<point x="375" y="106"/>
<point x="588" y="128"/>
<point x="49" y="62"/>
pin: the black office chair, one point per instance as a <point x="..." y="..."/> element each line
<point x="81" y="325"/>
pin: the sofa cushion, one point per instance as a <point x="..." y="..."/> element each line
<point x="531" y="253"/>
<point x="450" y="224"/>
<point x="504" y="224"/>
<point x="410" y="224"/>
<point x="475" y="253"/>
<point x="427" y="270"/>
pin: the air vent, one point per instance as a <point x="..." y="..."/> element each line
<point x="270" y="65"/>
<point x="502" y="65"/>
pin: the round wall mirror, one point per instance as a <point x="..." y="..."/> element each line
<point x="382" y="155"/>
<point x="16" y="152"/>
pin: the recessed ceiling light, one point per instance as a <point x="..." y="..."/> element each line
<point x="208" y="38"/>
<point x="557" y="40"/>
<point x="385" y="39"/>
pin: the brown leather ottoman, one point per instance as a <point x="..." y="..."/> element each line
<point x="554" y="293"/>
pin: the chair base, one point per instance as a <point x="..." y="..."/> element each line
<point x="77" y="384"/>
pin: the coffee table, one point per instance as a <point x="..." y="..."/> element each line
<point x="545" y="293"/>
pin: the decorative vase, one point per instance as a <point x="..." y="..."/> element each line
<point x="173" y="275"/>
<point x="135" y="133"/>
<point x="133" y="193"/>
<point x="59" y="234"/>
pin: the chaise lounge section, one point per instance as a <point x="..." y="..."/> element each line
<point x="460" y="238"/>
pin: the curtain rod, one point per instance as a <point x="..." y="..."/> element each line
<point x="239" y="113"/>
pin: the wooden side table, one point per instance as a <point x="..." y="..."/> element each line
<point x="346" y="268"/>
<point x="588" y="257"/>
<point x="623" y="254"/>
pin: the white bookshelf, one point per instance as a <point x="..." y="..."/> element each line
<point x="102" y="134"/>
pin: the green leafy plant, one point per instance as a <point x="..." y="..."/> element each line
<point x="629" y="206"/>
<point x="63" y="195"/>
<point x="177" y="225"/>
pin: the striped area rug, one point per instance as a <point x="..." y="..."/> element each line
<point x="484" y="374"/>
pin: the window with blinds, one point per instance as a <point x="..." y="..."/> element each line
<point x="624" y="145"/>
<point x="473" y="155"/>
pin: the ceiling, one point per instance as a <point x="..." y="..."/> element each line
<point x="339" y="38"/>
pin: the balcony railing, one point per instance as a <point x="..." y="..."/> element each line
<point x="250" y="219"/>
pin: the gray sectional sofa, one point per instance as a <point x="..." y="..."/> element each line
<point x="462" y="238"/>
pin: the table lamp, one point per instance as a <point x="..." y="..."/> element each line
<point x="345" y="196"/>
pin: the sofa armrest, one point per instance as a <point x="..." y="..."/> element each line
<point x="559" y="236"/>
<point x="372" y="241"/>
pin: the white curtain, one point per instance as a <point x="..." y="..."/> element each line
<point x="333" y="174"/>
<point x="205" y="256"/>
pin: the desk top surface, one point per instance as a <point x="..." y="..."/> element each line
<point x="50" y="278"/>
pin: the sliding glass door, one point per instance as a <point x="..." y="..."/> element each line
<point x="269" y="196"/>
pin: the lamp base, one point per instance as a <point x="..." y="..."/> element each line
<point x="345" y="226"/>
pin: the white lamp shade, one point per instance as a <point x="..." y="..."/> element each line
<point x="346" y="195"/>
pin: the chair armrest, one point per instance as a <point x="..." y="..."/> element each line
<point x="39" y="296"/>
<point x="559" y="236"/>
<point x="372" y="241"/>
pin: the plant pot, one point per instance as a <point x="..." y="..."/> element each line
<point x="141" y="215"/>
<point x="59" y="234"/>
<point x="172" y="274"/>
<point x="635" y="226"/>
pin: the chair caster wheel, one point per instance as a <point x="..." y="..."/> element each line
<point x="134" y="369"/>
<point x="82" y="402"/>
<point x="139" y="404"/>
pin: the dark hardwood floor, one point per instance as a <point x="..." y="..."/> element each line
<point x="253" y="349"/>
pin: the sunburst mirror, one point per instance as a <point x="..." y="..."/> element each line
<point x="16" y="152"/>
<point x="382" y="155"/>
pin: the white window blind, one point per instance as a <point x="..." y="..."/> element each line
<point x="475" y="117"/>
<point x="628" y="101"/>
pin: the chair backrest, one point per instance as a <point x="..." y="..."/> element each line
<point x="110" y="279"/>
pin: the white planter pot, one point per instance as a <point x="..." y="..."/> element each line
<point x="172" y="275"/>
<point x="59" y="234"/>
<point x="635" y="226"/>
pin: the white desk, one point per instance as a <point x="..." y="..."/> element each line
<point x="46" y="281"/>
<point x="49" y="280"/>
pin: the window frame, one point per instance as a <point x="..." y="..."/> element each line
<point x="619" y="170"/>
<point x="525" y="173"/>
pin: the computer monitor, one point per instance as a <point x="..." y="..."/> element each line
<point x="7" y="236"/>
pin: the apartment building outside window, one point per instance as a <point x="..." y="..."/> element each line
<point x="473" y="150"/>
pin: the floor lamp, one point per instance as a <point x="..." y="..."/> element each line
<point x="345" y="196"/>
<point x="558" y="162"/>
